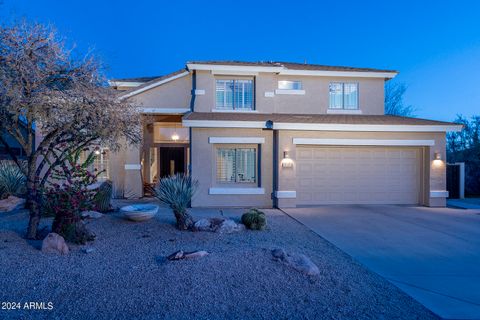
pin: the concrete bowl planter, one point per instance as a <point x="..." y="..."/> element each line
<point x="139" y="212"/>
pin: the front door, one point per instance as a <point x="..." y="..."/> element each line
<point x="172" y="161"/>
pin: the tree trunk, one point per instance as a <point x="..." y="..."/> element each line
<point x="32" y="204"/>
<point x="32" y="200"/>
<point x="184" y="220"/>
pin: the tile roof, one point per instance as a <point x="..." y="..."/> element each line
<point x="138" y="79"/>
<point x="290" y="65"/>
<point x="314" y="118"/>
<point x="126" y="92"/>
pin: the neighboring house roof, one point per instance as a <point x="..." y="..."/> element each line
<point x="317" y="122"/>
<point x="153" y="83"/>
<point x="290" y="65"/>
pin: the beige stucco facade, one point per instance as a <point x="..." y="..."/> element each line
<point x="276" y="184"/>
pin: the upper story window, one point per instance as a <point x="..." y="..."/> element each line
<point x="343" y="95"/>
<point x="234" y="94"/>
<point x="290" y="85"/>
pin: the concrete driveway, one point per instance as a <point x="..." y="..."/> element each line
<point x="433" y="254"/>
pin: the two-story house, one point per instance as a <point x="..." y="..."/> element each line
<point x="281" y="134"/>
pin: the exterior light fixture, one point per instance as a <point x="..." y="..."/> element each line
<point x="287" y="162"/>
<point x="438" y="156"/>
<point x="97" y="151"/>
<point x="175" y="136"/>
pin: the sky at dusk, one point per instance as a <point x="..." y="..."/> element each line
<point x="434" y="44"/>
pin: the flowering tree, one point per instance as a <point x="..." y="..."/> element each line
<point x="64" y="99"/>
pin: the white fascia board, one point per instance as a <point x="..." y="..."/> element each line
<point x="234" y="73"/>
<point x="365" y="127"/>
<point x="438" y="194"/>
<point x="286" y="194"/>
<point x="164" y="110"/>
<point x="349" y="74"/>
<point x="362" y="142"/>
<point x="235" y="69"/>
<point x="248" y="140"/>
<point x="131" y="84"/>
<point x="321" y="126"/>
<point x="155" y="84"/>
<point x="236" y="191"/>
<point x="223" y="124"/>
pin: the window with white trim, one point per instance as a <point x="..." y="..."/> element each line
<point x="237" y="165"/>
<point x="290" y="85"/>
<point x="235" y="94"/>
<point x="343" y="95"/>
<point x="101" y="164"/>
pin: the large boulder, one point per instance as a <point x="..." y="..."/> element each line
<point x="11" y="203"/>
<point x="54" y="243"/>
<point x="297" y="261"/>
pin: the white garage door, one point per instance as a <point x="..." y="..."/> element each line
<point x="358" y="175"/>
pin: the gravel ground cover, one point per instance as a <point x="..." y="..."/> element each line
<point x="126" y="276"/>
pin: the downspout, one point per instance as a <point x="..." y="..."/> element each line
<point x="192" y="109"/>
<point x="275" y="172"/>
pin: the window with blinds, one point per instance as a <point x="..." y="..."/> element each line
<point x="237" y="165"/>
<point x="343" y="95"/>
<point x="234" y="94"/>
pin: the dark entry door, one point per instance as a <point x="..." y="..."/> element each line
<point x="172" y="161"/>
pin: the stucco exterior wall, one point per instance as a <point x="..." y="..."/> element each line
<point x="314" y="101"/>
<point x="173" y="94"/>
<point x="434" y="177"/>
<point x="204" y="169"/>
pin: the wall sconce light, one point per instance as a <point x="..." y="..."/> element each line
<point x="438" y="156"/>
<point x="286" y="161"/>
<point x="97" y="151"/>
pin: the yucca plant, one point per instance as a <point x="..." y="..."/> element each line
<point x="12" y="180"/>
<point x="177" y="191"/>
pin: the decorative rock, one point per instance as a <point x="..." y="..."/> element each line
<point x="91" y="214"/>
<point x="202" y="225"/>
<point x="179" y="255"/>
<point x="54" y="243"/>
<point x="297" y="261"/>
<point x="229" y="226"/>
<point x="139" y="212"/>
<point x="219" y="225"/>
<point x="11" y="203"/>
<point x="88" y="250"/>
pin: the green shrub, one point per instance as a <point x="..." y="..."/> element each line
<point x="12" y="180"/>
<point x="177" y="192"/>
<point x="254" y="219"/>
<point x="103" y="196"/>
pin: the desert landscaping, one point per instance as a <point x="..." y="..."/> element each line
<point x="125" y="272"/>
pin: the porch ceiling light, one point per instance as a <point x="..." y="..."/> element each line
<point x="175" y="136"/>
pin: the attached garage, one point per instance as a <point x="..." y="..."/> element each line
<point x="358" y="175"/>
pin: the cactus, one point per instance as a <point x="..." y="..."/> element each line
<point x="254" y="219"/>
<point x="103" y="196"/>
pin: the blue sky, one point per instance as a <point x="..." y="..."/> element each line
<point x="435" y="44"/>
